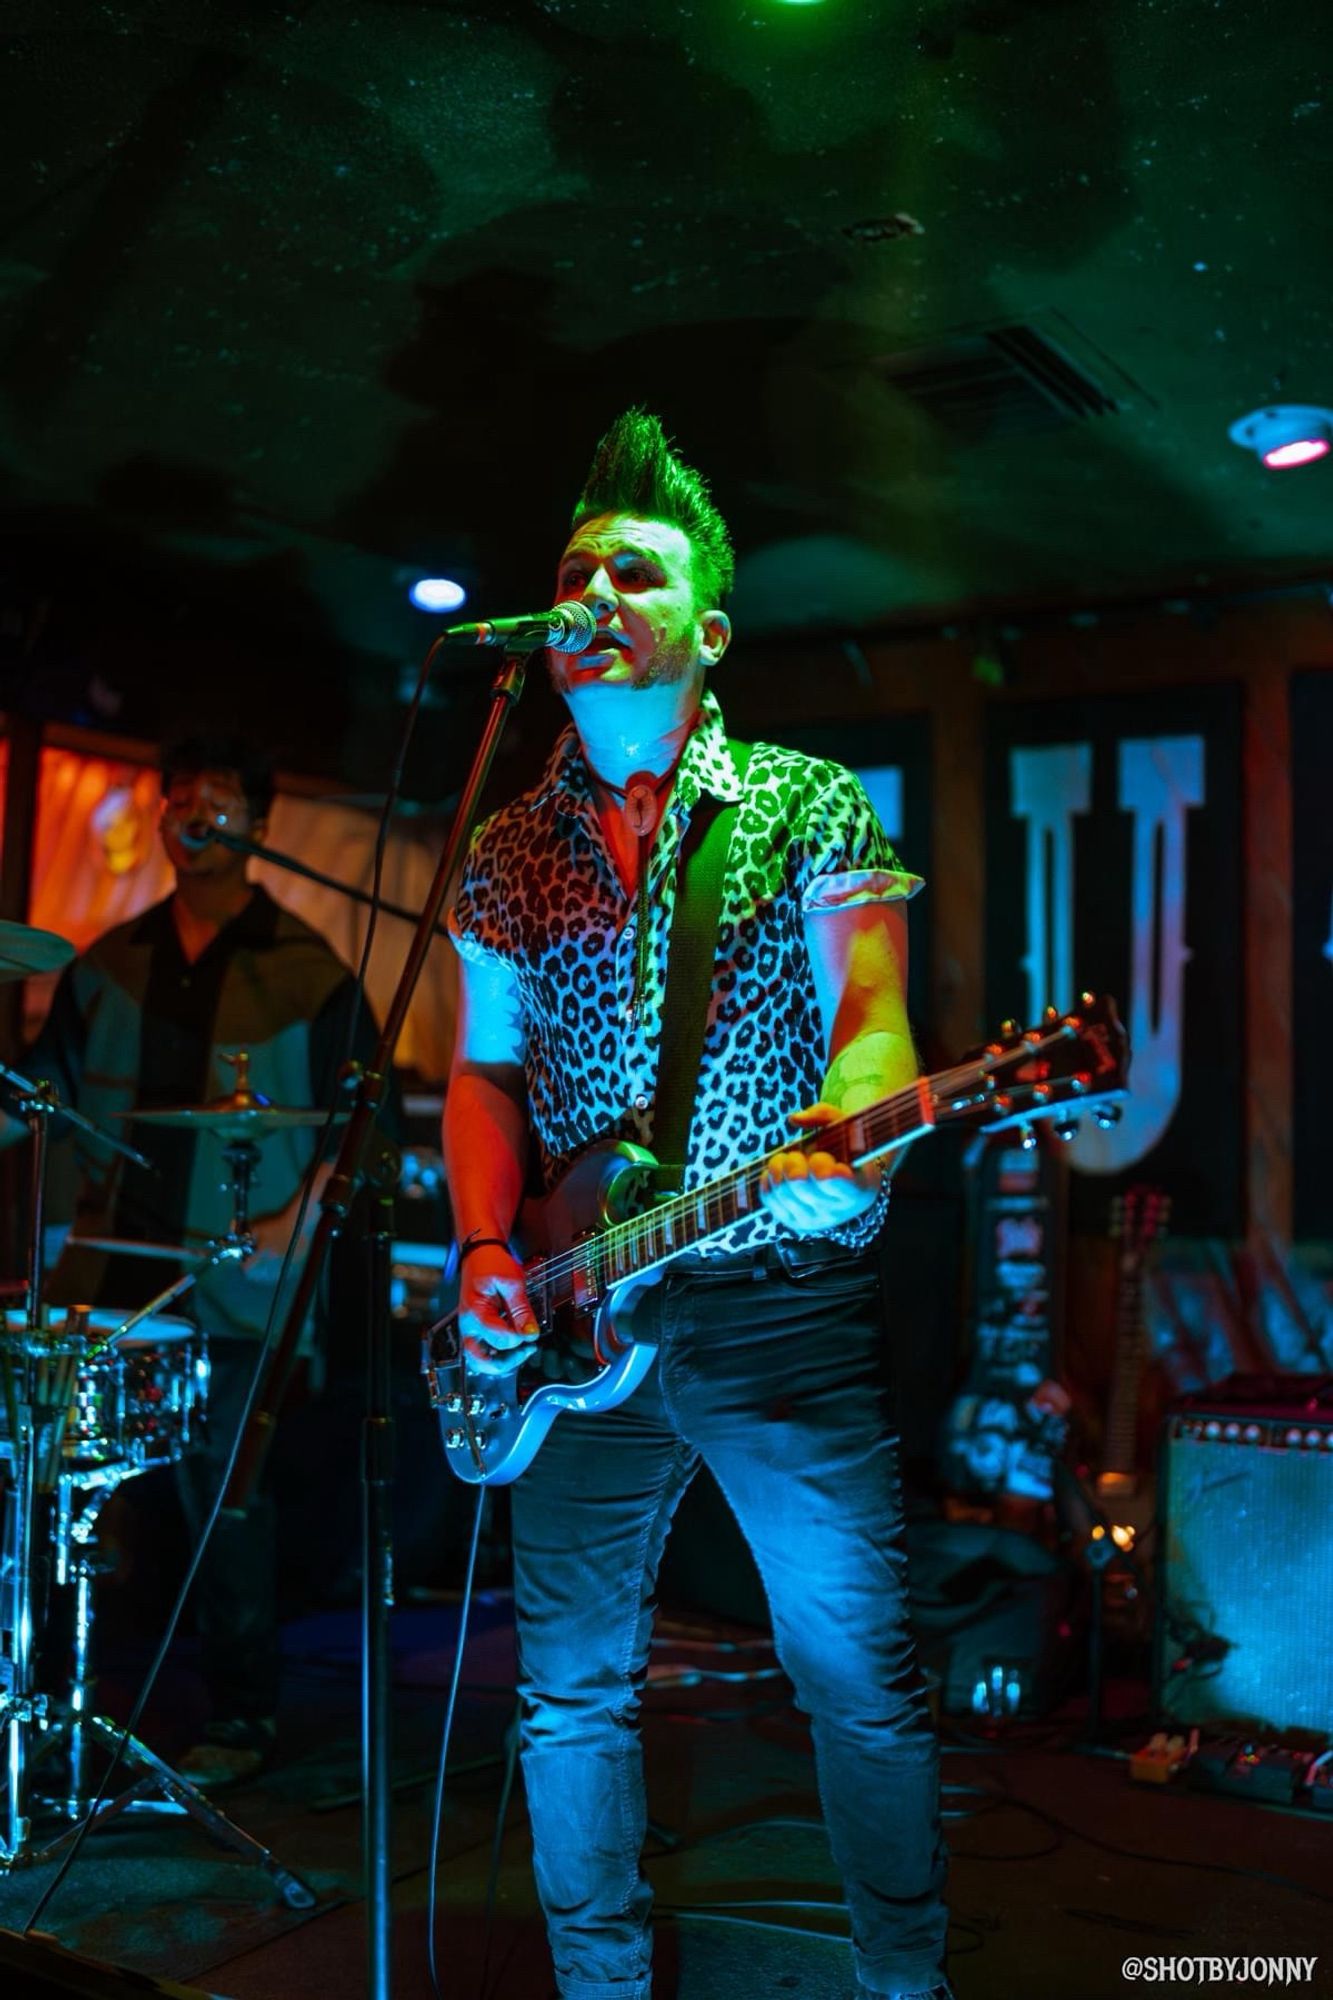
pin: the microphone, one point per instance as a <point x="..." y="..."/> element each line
<point x="567" y="628"/>
<point x="196" y="835"/>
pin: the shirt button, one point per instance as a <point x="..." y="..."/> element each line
<point x="641" y="1102"/>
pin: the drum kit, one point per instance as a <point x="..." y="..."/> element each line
<point x="91" y="1397"/>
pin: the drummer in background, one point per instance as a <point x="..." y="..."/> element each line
<point x="145" y="1018"/>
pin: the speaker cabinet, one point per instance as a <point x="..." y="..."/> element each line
<point x="1245" y="1560"/>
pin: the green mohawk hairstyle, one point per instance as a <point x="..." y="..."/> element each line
<point x="635" y="471"/>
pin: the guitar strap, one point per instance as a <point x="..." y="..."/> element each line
<point x="700" y="872"/>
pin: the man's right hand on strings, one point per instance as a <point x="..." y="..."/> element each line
<point x="495" y="1317"/>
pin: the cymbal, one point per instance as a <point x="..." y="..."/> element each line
<point x="242" y="1114"/>
<point x="25" y="951"/>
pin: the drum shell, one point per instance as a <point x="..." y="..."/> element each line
<point x="139" y="1402"/>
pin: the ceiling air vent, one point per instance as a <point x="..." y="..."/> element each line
<point x="1005" y="382"/>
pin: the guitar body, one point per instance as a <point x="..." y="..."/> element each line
<point x="588" y="1358"/>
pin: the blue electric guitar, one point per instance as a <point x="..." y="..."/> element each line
<point x="600" y="1239"/>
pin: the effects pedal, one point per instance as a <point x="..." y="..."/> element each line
<point x="1161" y="1757"/>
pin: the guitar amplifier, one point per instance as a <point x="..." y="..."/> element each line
<point x="1245" y="1557"/>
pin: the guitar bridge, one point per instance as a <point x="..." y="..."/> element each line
<point x="584" y="1279"/>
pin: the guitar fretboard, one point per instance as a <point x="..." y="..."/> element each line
<point x="645" y="1242"/>
<point x="1120" y="1457"/>
<point x="665" y="1230"/>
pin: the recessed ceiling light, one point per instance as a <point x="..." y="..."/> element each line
<point x="437" y="593"/>
<point x="1286" y="434"/>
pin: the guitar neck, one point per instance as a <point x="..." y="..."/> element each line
<point x="1140" y="1224"/>
<point x="1071" y="1063"/>
<point x="647" y="1242"/>
<point x="689" y="1220"/>
<point x="1120" y="1456"/>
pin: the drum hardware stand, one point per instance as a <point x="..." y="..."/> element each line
<point x="158" y="1789"/>
<point x="350" y="1170"/>
<point x="23" y="1707"/>
<point x="75" y="1535"/>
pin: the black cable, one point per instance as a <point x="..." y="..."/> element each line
<point x="1158" y="1860"/>
<point x="267" y="1344"/>
<point x="445" y="1734"/>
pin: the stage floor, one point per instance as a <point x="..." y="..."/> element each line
<point x="1061" y="1870"/>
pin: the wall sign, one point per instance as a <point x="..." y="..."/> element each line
<point x="1114" y="862"/>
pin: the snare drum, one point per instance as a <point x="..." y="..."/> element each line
<point x="138" y="1403"/>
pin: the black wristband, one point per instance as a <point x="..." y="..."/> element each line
<point x="475" y="1242"/>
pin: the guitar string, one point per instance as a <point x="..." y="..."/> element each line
<point x="888" y="1114"/>
<point x="544" y="1272"/>
<point x="664" y="1215"/>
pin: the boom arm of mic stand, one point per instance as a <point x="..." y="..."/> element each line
<point x="349" y="1167"/>
<point x="238" y="844"/>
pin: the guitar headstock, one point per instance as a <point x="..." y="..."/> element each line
<point x="1139" y="1216"/>
<point x="1069" y="1066"/>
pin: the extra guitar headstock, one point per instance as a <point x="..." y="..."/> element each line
<point x="1139" y="1216"/>
<point x="1068" y="1067"/>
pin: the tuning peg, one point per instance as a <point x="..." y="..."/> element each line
<point x="1066" y="1130"/>
<point x="1107" y="1115"/>
<point x="1050" y="1014"/>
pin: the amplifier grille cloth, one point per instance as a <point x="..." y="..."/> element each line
<point x="1247" y="1557"/>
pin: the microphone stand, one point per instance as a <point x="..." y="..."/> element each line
<point x="238" y="844"/>
<point x="350" y="1170"/>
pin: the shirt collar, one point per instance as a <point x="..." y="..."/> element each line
<point x="706" y="766"/>
<point x="255" y="924"/>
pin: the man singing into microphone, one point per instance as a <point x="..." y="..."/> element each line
<point x="771" y="1363"/>
<point x="147" y="1017"/>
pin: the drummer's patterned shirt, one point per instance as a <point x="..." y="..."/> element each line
<point x="541" y="893"/>
<point x="136" y="1025"/>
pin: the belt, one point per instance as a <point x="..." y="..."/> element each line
<point x="799" y="1258"/>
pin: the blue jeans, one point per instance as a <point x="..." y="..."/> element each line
<point x="780" y="1386"/>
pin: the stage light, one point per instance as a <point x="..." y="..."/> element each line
<point x="1301" y="451"/>
<point x="1285" y="434"/>
<point x="437" y="593"/>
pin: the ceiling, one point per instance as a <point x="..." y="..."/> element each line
<point x="297" y="299"/>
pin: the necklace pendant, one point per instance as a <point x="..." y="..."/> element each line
<point x="641" y="806"/>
